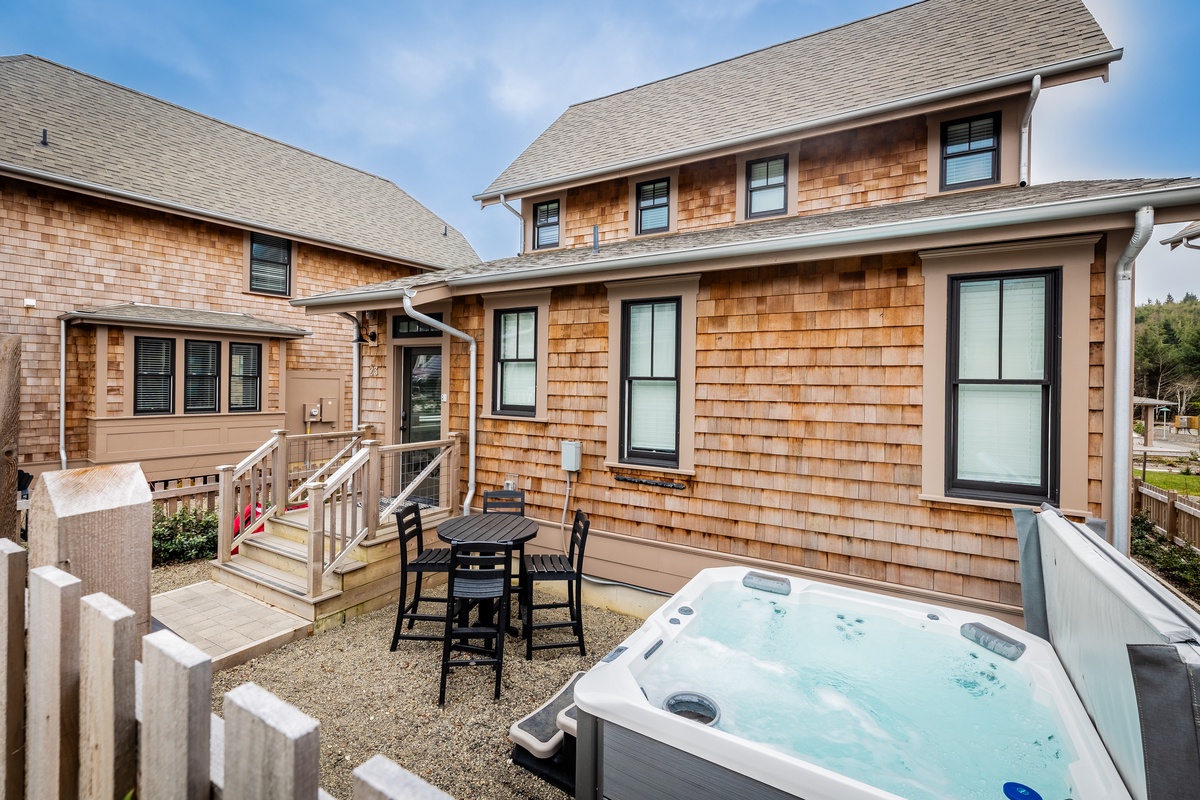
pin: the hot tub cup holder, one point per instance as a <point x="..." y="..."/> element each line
<point x="693" y="706"/>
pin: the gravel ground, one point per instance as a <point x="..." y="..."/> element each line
<point x="370" y="700"/>
<point x="173" y="576"/>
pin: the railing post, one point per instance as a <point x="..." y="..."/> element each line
<point x="1172" y="516"/>
<point x="272" y="749"/>
<point x="13" y="567"/>
<point x="225" y="502"/>
<point x="1137" y="495"/>
<point x="316" y="537"/>
<point x="107" y="722"/>
<point x="455" y="466"/>
<point x="280" y="486"/>
<point x="371" y="487"/>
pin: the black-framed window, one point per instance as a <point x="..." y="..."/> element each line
<point x="515" y="375"/>
<point x="153" y="375"/>
<point x="650" y="381"/>
<point x="270" y="264"/>
<point x="653" y="206"/>
<point x="971" y="151"/>
<point x="545" y="225"/>
<point x="201" y="375"/>
<point x="766" y="186"/>
<point x="245" y="376"/>
<point x="404" y="327"/>
<point x="1003" y="390"/>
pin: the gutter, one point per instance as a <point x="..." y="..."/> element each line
<point x="62" y="393"/>
<point x="356" y="372"/>
<point x="407" y="297"/>
<point x="1034" y="91"/>
<point x="1071" y="65"/>
<point x="972" y="220"/>
<point x="1123" y="380"/>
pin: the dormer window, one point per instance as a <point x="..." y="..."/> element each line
<point x="653" y="206"/>
<point x="971" y="152"/>
<point x="766" y="187"/>
<point x="545" y="225"/>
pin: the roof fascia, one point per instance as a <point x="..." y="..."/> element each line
<point x="76" y="317"/>
<point x="1061" y="72"/>
<point x="371" y="300"/>
<point x="156" y="204"/>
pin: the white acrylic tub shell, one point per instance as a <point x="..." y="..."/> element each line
<point x="610" y="691"/>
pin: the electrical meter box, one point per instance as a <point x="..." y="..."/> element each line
<point x="571" y="456"/>
<point x="329" y="410"/>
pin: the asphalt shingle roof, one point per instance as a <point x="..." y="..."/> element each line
<point x="906" y="53"/>
<point x="119" y="139"/>
<point x="168" y="316"/>
<point x="939" y="207"/>
<point x="1190" y="232"/>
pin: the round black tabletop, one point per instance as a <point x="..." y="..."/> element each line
<point x="497" y="528"/>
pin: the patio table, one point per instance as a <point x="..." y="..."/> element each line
<point x="495" y="528"/>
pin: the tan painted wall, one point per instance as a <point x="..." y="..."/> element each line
<point x="68" y="251"/>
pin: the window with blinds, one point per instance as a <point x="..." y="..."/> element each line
<point x="545" y="225"/>
<point x="971" y="151"/>
<point x="153" y="375"/>
<point x="202" y="371"/>
<point x="1004" y="395"/>
<point x="516" y="362"/>
<point x="270" y="264"/>
<point x="650" y="382"/>
<point x="245" y="376"/>
<point x="766" y="186"/>
<point x="653" y="211"/>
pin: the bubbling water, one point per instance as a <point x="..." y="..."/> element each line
<point x="881" y="699"/>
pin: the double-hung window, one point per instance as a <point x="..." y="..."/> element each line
<point x="515" y="381"/>
<point x="153" y="375"/>
<point x="653" y="206"/>
<point x="766" y="186"/>
<point x="545" y="225"/>
<point x="650" y="381"/>
<point x="971" y="151"/>
<point x="245" y="376"/>
<point x="270" y="264"/>
<point x="202" y="372"/>
<point x="1003" y="389"/>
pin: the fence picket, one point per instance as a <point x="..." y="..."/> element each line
<point x="107" y="726"/>
<point x="13" y="566"/>
<point x="53" y="723"/>
<point x="176" y="709"/>
<point x="381" y="779"/>
<point x="272" y="749"/>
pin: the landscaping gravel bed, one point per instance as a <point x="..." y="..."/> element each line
<point x="370" y="700"/>
<point x="174" y="576"/>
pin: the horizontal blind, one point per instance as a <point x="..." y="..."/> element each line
<point x="201" y="375"/>
<point x="270" y="263"/>
<point x="245" y="377"/>
<point x="154" y="372"/>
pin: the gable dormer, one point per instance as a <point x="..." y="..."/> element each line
<point x="897" y="107"/>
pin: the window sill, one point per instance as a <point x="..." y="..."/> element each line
<point x="514" y="418"/>
<point x="616" y="465"/>
<point x="969" y="501"/>
<point x="267" y="294"/>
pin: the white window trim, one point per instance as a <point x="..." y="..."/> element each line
<point x="672" y="203"/>
<point x="1074" y="255"/>
<point x="502" y="302"/>
<point x="686" y="288"/>
<point x="527" y="206"/>
<point x="793" y="182"/>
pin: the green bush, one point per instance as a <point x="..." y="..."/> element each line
<point x="1179" y="565"/>
<point x="1139" y="428"/>
<point x="186" y="535"/>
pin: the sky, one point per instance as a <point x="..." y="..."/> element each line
<point x="440" y="97"/>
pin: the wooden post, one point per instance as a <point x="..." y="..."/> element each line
<point x="316" y="537"/>
<point x="1137" y="495"/>
<point x="226" y="512"/>
<point x="280" y="488"/>
<point x="381" y="779"/>
<point x="374" y="478"/>
<point x="107" y="724"/>
<point x="96" y="524"/>
<point x="272" y="749"/>
<point x="454" y="468"/>
<point x="13" y="566"/>
<point x="176" y="719"/>
<point x="53" y="745"/>
<point x="1172" y="516"/>
<point x="10" y="411"/>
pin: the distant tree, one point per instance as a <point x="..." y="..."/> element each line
<point x="1169" y="299"/>
<point x="1189" y="298"/>
<point x="1184" y="390"/>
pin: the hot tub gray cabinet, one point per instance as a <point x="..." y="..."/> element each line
<point x="614" y="763"/>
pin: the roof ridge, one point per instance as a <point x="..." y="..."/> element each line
<point x="756" y="51"/>
<point x="202" y="115"/>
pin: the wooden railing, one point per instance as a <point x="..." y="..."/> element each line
<point x="199" y="492"/>
<point x="1175" y="516"/>
<point x="98" y="723"/>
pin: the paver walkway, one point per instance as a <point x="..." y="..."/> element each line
<point x="226" y="624"/>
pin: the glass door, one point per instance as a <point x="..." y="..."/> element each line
<point x="421" y="417"/>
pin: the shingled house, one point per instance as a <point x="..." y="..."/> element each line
<point x="802" y="309"/>
<point x="154" y="250"/>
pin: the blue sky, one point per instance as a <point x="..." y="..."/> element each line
<point x="441" y="97"/>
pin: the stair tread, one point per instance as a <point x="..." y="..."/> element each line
<point x="275" y="578"/>
<point x="297" y="551"/>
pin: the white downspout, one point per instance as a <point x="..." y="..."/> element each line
<point x="356" y="375"/>
<point x="409" y="294"/>
<point x="517" y="214"/>
<point x="1033" y="96"/>
<point x="62" y="394"/>
<point x="1123" y="381"/>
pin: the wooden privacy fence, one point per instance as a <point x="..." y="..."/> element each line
<point x="200" y="492"/>
<point x="95" y="719"/>
<point x="1177" y="517"/>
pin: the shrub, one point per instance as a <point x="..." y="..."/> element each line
<point x="186" y="535"/>
<point x="1139" y="428"/>
<point x="1179" y="565"/>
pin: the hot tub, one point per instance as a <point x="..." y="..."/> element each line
<point x="750" y="684"/>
